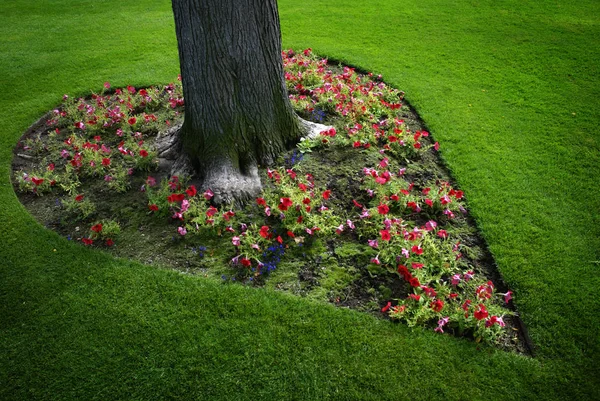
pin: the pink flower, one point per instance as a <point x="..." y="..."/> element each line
<point x="235" y="241"/>
<point x="373" y="243"/>
<point x="80" y="125"/>
<point x="182" y="231"/>
<point x="208" y="194"/>
<point x="375" y="260"/>
<point x="430" y="225"/>
<point x="340" y="229"/>
<point x="456" y="279"/>
<point x="185" y="204"/>
<point x="107" y="85"/>
<point x="442" y="234"/>
<point x="507" y="296"/>
<point x="350" y="224"/>
<point x="405" y="253"/>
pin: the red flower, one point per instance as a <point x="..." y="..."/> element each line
<point x="109" y="242"/>
<point x="326" y="194"/>
<point x="264" y="231"/>
<point x="246" y="262"/>
<point x="261" y="202"/>
<point x="442" y="234"/>
<point x="416" y="297"/>
<point x="211" y="211"/>
<point x="132" y="120"/>
<point x="51" y="167"/>
<point x="437" y="305"/>
<point x="429" y="202"/>
<point x="306" y="201"/>
<point x="481" y="312"/>
<point x="191" y="191"/>
<point x="175" y="198"/>
<point x="414" y="282"/>
<point x="87" y="241"/>
<point x="385" y="235"/>
<point x="302" y="187"/>
<point x="37" y="181"/>
<point x="143" y="153"/>
<point x="383" y="209"/>
<point x="358" y="205"/>
<point x="79" y="198"/>
<point x="285" y="204"/>
<point x="290" y="234"/>
<point x="416" y="249"/>
<point x="403" y="270"/>
<point x="153" y="207"/>
<point x="106" y="161"/>
<point x="394" y="197"/>
<point x="416" y="265"/>
<point x="386" y="307"/>
<point x="97" y="228"/>
<point x="279" y="239"/>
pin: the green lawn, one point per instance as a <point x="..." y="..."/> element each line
<point x="510" y="91"/>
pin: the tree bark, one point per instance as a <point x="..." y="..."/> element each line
<point x="237" y="111"/>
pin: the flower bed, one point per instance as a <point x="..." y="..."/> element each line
<point x="362" y="215"/>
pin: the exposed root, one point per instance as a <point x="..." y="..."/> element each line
<point x="311" y="129"/>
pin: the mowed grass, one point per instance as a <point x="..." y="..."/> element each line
<point x="510" y="91"/>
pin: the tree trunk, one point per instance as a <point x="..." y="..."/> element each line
<point x="237" y="111"/>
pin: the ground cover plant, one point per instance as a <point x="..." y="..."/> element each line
<point x="509" y="89"/>
<point x="362" y="212"/>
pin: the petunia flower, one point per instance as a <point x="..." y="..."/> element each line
<point x="481" y="312"/>
<point x="430" y="225"/>
<point x="264" y="231"/>
<point x="385" y="235"/>
<point x="507" y="296"/>
<point x="235" y="241"/>
<point x="386" y="307"/>
<point x="97" y="228"/>
<point x="191" y="191"/>
<point x="182" y="231"/>
<point x="417" y="250"/>
<point x="383" y="209"/>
